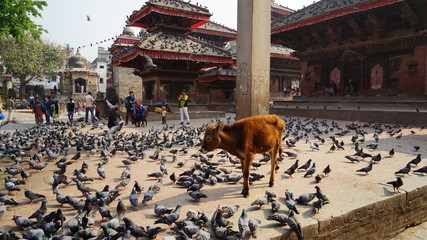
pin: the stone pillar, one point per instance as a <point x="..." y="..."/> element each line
<point x="253" y="58"/>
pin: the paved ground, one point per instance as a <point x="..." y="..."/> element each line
<point x="345" y="188"/>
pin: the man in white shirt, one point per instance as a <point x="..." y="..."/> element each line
<point x="89" y="107"/>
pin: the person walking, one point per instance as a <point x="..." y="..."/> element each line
<point x="89" y="107"/>
<point x="71" y="108"/>
<point x="164" y="114"/>
<point x="183" y="110"/>
<point x="55" y="110"/>
<point x="79" y="107"/>
<point x="10" y="107"/>
<point x="130" y="107"/>
<point x="39" y="110"/>
<point x="31" y="100"/>
<point x="48" y="103"/>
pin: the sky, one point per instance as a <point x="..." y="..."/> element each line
<point x="66" y="21"/>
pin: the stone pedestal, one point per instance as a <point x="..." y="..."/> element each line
<point x="253" y="58"/>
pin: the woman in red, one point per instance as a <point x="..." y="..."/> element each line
<point x="39" y="110"/>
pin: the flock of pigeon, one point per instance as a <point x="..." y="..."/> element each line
<point x="122" y="185"/>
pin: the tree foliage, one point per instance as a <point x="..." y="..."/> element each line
<point x="15" y="17"/>
<point x="27" y="58"/>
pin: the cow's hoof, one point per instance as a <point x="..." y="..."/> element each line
<point x="271" y="184"/>
<point x="245" y="194"/>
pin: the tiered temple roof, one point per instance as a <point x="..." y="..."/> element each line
<point x="171" y="13"/>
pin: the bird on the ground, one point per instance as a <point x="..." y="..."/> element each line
<point x="404" y="170"/>
<point x="100" y="170"/>
<point x="161" y="210"/>
<point x="289" y="202"/>
<point x="327" y="170"/>
<point x="270" y="195"/>
<point x="352" y="159"/>
<point x="133" y="198"/>
<point x="243" y="223"/>
<point x="148" y="195"/>
<point x="76" y="156"/>
<point x="280" y="218"/>
<point x="230" y="210"/>
<point x="416" y="148"/>
<point x="366" y="170"/>
<point x="170" y="218"/>
<point x="32" y="195"/>
<point x="421" y="170"/>
<point x="253" y="226"/>
<point x="261" y="201"/>
<point x="40" y="211"/>
<point x="396" y="184"/>
<point x="314" y="146"/>
<point x="197" y="195"/>
<point x="304" y="199"/>
<point x="317" y="205"/>
<point x="311" y="171"/>
<point x="120" y="209"/>
<point x="306" y="165"/>
<point x="416" y="160"/>
<point x="321" y="195"/>
<point x="318" y="178"/>
<point x="275" y="205"/>
<point x="125" y="173"/>
<point x="391" y="152"/>
<point x="22" y="222"/>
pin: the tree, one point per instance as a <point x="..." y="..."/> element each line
<point x="27" y="58"/>
<point x="15" y="18"/>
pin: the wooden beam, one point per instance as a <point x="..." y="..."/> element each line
<point x="375" y="24"/>
<point x="317" y="36"/>
<point x="337" y="38"/>
<point x="356" y="28"/>
<point x="409" y="15"/>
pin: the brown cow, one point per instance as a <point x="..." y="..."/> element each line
<point x="247" y="137"/>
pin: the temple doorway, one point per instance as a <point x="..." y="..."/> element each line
<point x="80" y="85"/>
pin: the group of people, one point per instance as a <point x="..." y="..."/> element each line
<point x="48" y="108"/>
<point x="332" y="89"/>
<point x="135" y="111"/>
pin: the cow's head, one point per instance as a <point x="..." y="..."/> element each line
<point x="212" y="140"/>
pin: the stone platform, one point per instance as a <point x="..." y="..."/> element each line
<point x="362" y="206"/>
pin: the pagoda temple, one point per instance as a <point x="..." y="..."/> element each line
<point x="380" y="45"/>
<point x="177" y="56"/>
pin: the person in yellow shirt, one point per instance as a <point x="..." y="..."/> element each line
<point x="183" y="110"/>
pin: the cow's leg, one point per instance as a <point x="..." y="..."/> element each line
<point x="273" y="159"/>
<point x="249" y="157"/>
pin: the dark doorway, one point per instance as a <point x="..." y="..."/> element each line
<point x="353" y="71"/>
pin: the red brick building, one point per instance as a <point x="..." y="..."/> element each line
<point x="380" y="44"/>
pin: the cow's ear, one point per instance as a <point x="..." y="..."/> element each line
<point x="219" y="126"/>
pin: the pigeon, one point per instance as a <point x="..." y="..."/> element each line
<point x="421" y="170"/>
<point x="404" y="170"/>
<point x="391" y="152"/>
<point x="83" y="188"/>
<point x="197" y="195"/>
<point x="223" y="232"/>
<point x="148" y="195"/>
<point x="366" y="169"/>
<point x="32" y="195"/>
<point x="133" y="198"/>
<point x="306" y="165"/>
<point x="304" y="199"/>
<point x="311" y="171"/>
<point x="270" y="195"/>
<point x="161" y="210"/>
<point x="253" y="226"/>
<point x="39" y="212"/>
<point x="416" y="160"/>
<point x="170" y="218"/>
<point x="280" y="218"/>
<point x="321" y="195"/>
<point x="230" y="210"/>
<point x="243" y="223"/>
<point x="317" y="205"/>
<point x="10" y="186"/>
<point x="289" y="202"/>
<point x="275" y="205"/>
<point x="417" y="148"/>
<point x="100" y="171"/>
<point x="318" y="178"/>
<point x="396" y="184"/>
<point x="295" y="226"/>
<point x="314" y="146"/>
<point x="76" y="156"/>
<point x="121" y="208"/>
<point x="260" y="202"/>
<point x="22" y="222"/>
<point x="326" y="171"/>
<point x="352" y="159"/>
